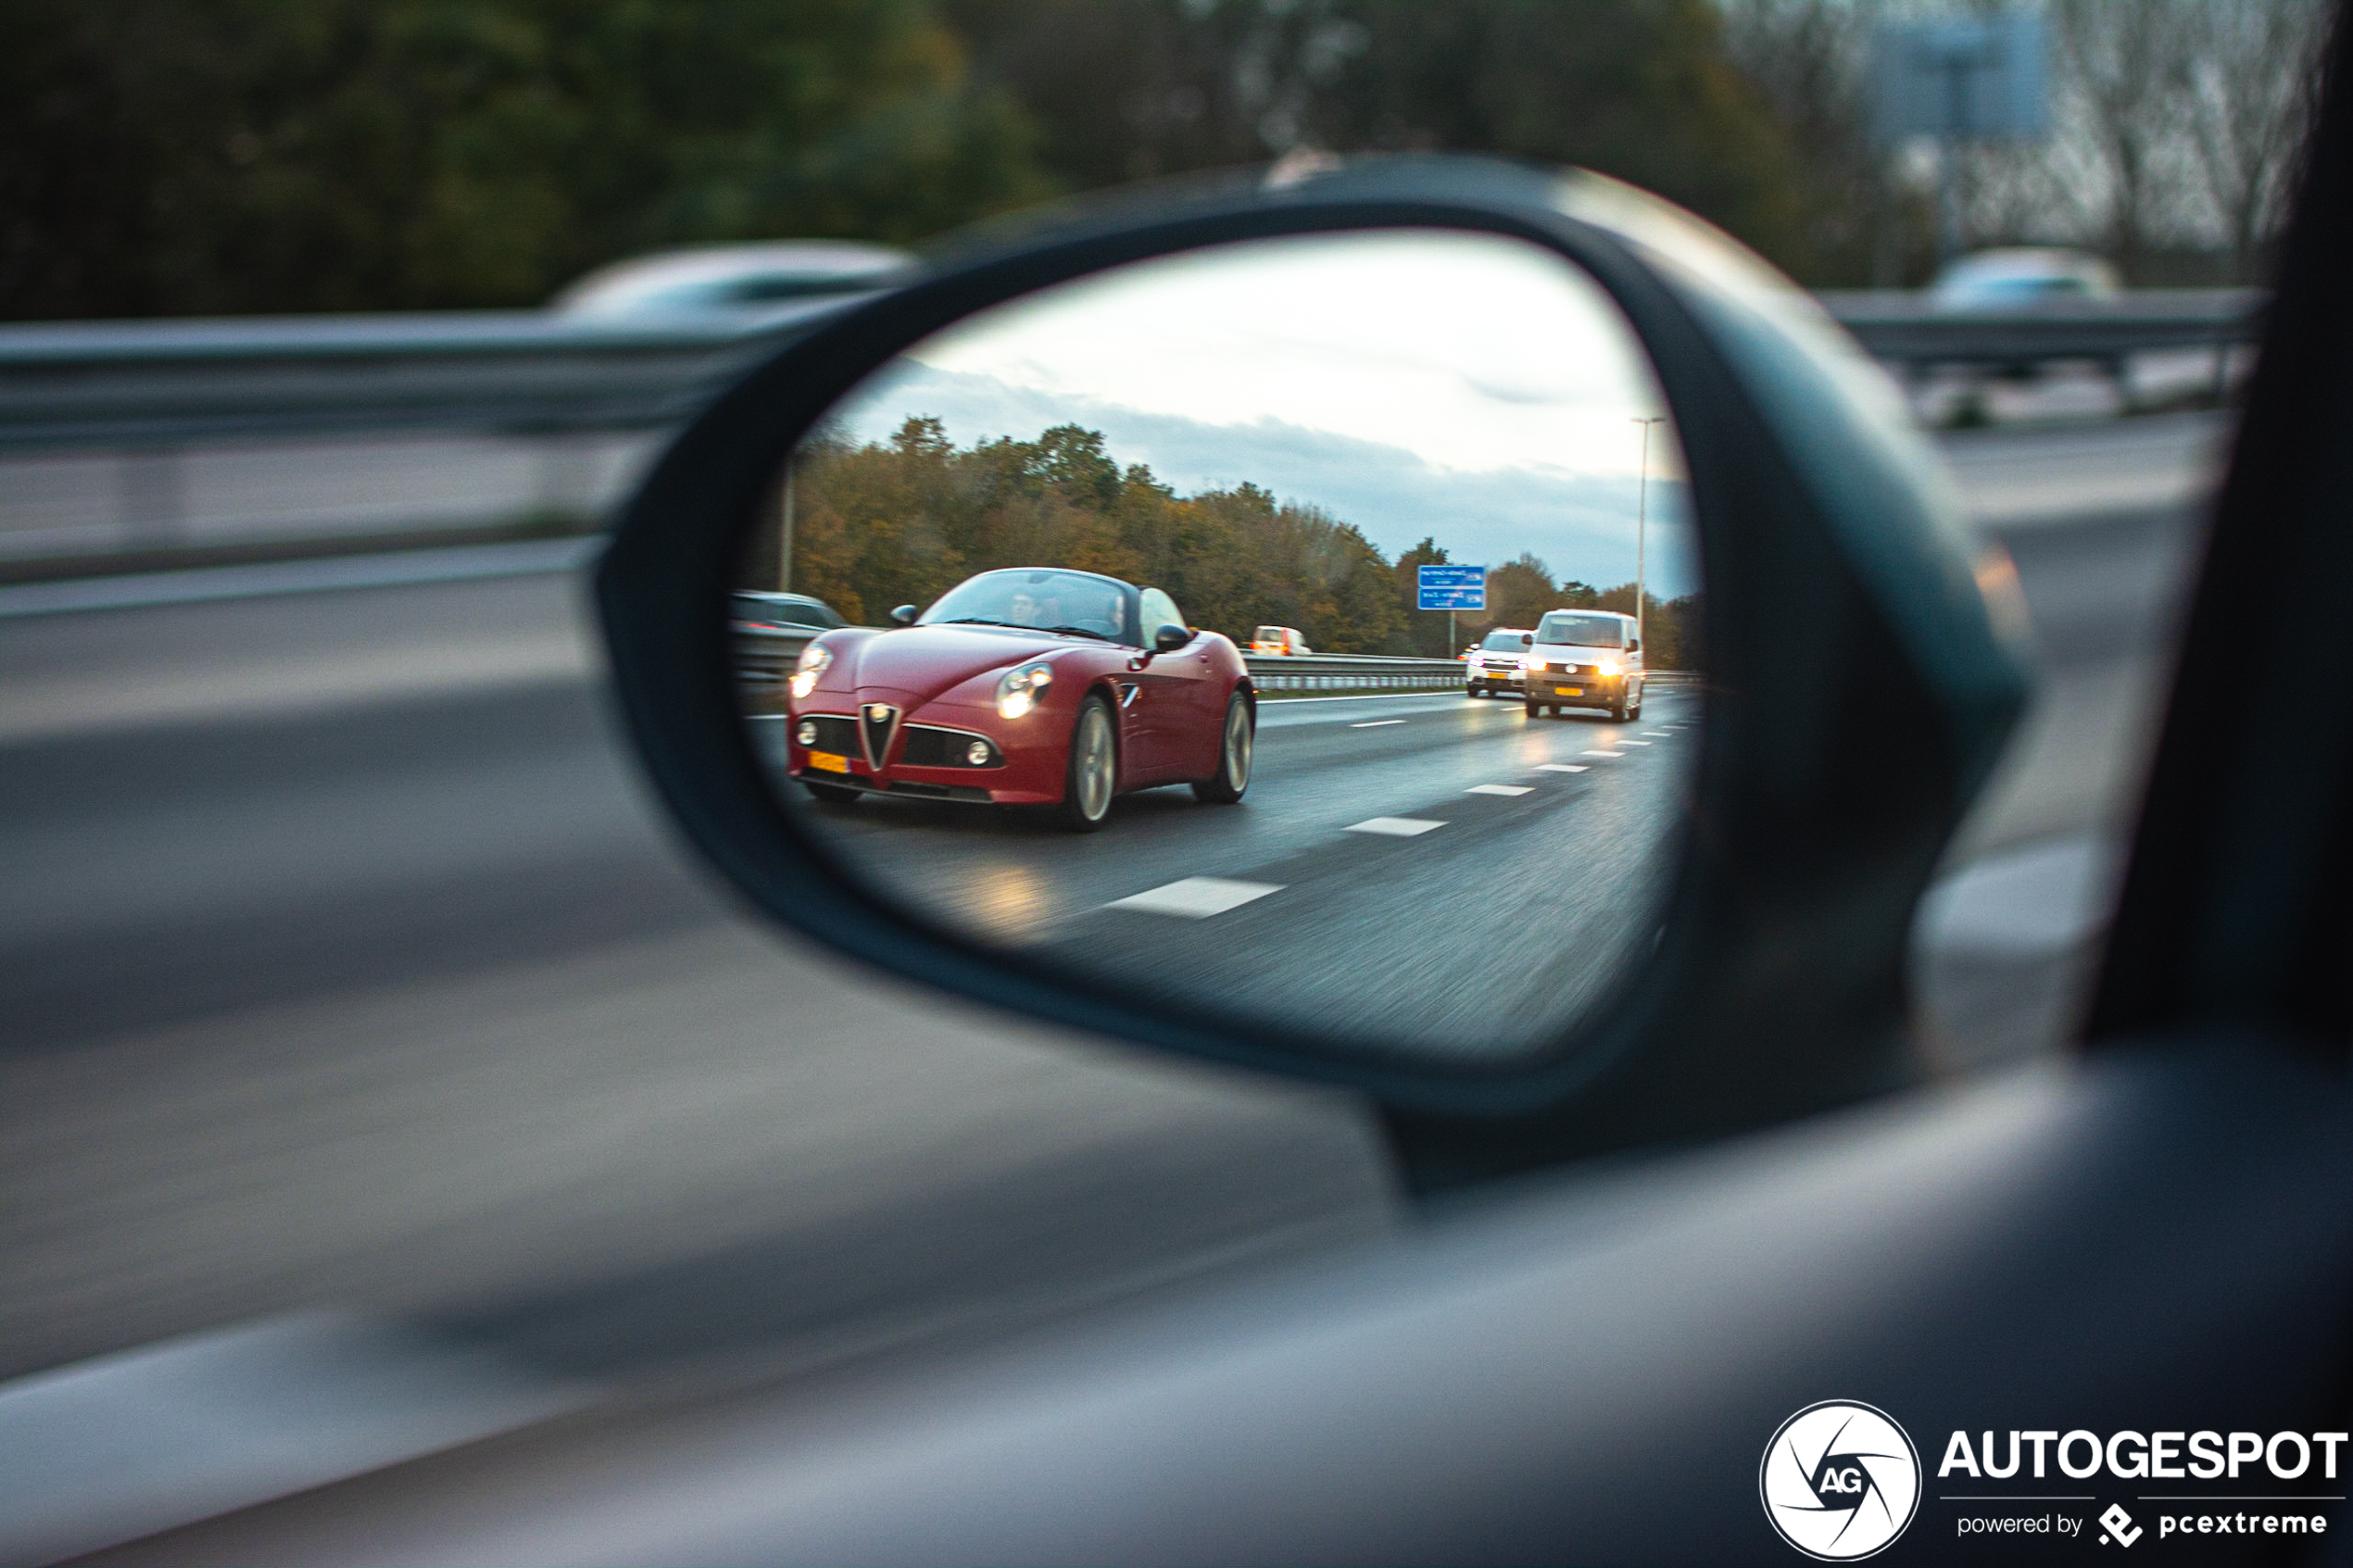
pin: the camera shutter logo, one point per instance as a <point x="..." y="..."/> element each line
<point x="1840" y="1481"/>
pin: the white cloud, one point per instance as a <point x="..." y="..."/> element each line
<point x="1465" y="386"/>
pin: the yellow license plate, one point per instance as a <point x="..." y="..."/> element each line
<point x="1568" y="691"/>
<point x="829" y="763"/>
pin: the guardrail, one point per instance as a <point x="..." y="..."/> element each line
<point x="114" y="384"/>
<point x="167" y="441"/>
<point x="1352" y="672"/>
<point x="764" y="656"/>
<point x="1907" y="330"/>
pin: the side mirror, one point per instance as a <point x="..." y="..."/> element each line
<point x="1528" y="639"/>
<point x="1737" y="956"/>
<point x="1168" y="639"/>
<point x="1633" y="645"/>
<point x="904" y="615"/>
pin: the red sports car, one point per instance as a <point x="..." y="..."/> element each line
<point x="1027" y="686"/>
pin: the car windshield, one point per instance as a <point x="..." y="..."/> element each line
<point x="1503" y="642"/>
<point x="1047" y="600"/>
<point x="1269" y="634"/>
<point x="1583" y="630"/>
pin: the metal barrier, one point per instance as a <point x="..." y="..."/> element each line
<point x="1907" y="330"/>
<point x="764" y="657"/>
<point x="90" y="385"/>
<point x="171" y="441"/>
<point x="1351" y="672"/>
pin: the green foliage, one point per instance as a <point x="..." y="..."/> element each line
<point x="194" y="157"/>
<point x="302" y="155"/>
<point x="1646" y="90"/>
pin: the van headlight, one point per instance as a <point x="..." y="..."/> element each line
<point x="812" y="663"/>
<point x="1017" y="688"/>
<point x="1607" y="667"/>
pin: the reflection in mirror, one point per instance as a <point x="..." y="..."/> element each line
<point x="1303" y="629"/>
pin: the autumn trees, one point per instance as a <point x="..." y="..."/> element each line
<point x="881" y="524"/>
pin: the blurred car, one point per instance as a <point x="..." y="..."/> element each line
<point x="2020" y="277"/>
<point x="1499" y="663"/>
<point x="1279" y="640"/>
<point x="759" y="609"/>
<point x="769" y="631"/>
<point x="1585" y="658"/>
<point x="1025" y="686"/>
<point x="734" y="277"/>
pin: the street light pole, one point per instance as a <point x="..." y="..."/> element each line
<point x="1642" y="521"/>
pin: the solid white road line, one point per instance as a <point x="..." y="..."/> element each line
<point x="1393" y="827"/>
<point x="1598" y="753"/>
<point x="111" y="1449"/>
<point x="1562" y="768"/>
<point x="1497" y="789"/>
<point x="1375" y="724"/>
<point x="1196" y="897"/>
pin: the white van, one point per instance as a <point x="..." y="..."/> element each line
<point x="1585" y="658"/>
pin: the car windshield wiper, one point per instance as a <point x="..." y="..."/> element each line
<point x="978" y="620"/>
<point x="1079" y="632"/>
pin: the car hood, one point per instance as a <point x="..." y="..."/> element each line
<point x="921" y="662"/>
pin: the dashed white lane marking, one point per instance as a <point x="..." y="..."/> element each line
<point x="1393" y="827"/>
<point x="1196" y="897"/>
<point x="1562" y="768"/>
<point x="1497" y="789"/>
<point x="1600" y="754"/>
<point x="1375" y="724"/>
<point x="1658" y="732"/>
<point x="1633" y="743"/>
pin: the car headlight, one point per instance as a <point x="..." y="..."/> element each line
<point x="812" y="663"/>
<point x="1533" y="666"/>
<point x="1017" y="688"/>
<point x="1607" y="667"/>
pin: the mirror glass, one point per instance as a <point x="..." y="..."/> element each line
<point x="1254" y="628"/>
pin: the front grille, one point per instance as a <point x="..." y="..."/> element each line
<point x="931" y="747"/>
<point x="926" y="745"/>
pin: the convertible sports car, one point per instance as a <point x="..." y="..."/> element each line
<point x="1027" y="686"/>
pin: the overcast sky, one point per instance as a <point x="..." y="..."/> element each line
<point x="1411" y="383"/>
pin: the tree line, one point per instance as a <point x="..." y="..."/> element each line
<point x="199" y="157"/>
<point x="878" y="524"/>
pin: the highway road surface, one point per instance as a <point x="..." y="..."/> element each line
<point x="1439" y="872"/>
<point x="347" y="969"/>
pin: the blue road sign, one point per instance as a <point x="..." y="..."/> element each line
<point x="1451" y="587"/>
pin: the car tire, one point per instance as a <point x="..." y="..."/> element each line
<point x="1531" y="708"/>
<point x="1636" y="711"/>
<point x="1237" y="743"/>
<point x="831" y="794"/>
<point x="1618" y="711"/>
<point x="1090" y="770"/>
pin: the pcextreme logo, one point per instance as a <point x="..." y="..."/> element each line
<point x="1840" y="1480"/>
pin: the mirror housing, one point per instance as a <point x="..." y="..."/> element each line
<point x="1776" y="984"/>
<point x="1528" y="639"/>
<point x="904" y="615"/>
<point x="1168" y="639"/>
